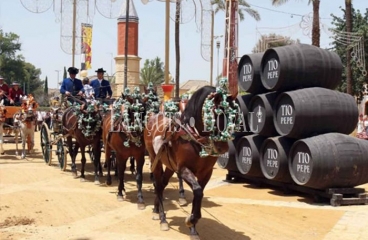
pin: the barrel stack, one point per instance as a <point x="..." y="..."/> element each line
<point x="299" y="123"/>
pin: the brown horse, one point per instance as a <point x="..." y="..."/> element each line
<point x="189" y="145"/>
<point x="83" y="122"/>
<point x="123" y="132"/>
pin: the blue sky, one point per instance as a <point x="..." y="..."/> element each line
<point x="40" y="35"/>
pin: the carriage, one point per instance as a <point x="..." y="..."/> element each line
<point x="55" y="137"/>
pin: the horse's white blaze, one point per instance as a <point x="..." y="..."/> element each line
<point x="157" y="143"/>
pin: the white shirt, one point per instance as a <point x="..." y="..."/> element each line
<point x="100" y="81"/>
<point x="88" y="91"/>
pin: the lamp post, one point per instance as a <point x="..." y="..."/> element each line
<point x="218" y="56"/>
<point x="57" y="76"/>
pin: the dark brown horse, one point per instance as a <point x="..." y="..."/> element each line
<point x="84" y="125"/>
<point x="190" y="145"/>
<point x="123" y="132"/>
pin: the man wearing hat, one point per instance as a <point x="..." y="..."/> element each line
<point x="72" y="86"/>
<point x="4" y="86"/>
<point x="101" y="86"/>
<point x="15" y="94"/>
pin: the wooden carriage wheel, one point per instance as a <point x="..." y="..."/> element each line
<point x="45" y="143"/>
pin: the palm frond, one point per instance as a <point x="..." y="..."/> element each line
<point x="253" y="13"/>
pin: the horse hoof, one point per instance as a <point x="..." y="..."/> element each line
<point x="195" y="237"/>
<point x="16" y="154"/>
<point x="187" y="222"/>
<point x="74" y="174"/>
<point x="164" y="226"/>
<point x="120" y="198"/>
<point x="97" y="182"/>
<point x="82" y="179"/>
<point x="156" y="216"/>
<point x="2" y="153"/>
<point x="183" y="202"/>
<point x="141" y="206"/>
<point x="23" y="156"/>
<point x="108" y="182"/>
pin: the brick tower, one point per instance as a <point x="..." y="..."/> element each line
<point x="133" y="59"/>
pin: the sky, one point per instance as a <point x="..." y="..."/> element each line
<point x="40" y="34"/>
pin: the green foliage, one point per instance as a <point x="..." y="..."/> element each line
<point x="13" y="66"/>
<point x="272" y="40"/>
<point x="243" y="6"/>
<point x="360" y="26"/>
<point x="65" y="75"/>
<point x="152" y="71"/>
<point x="46" y="87"/>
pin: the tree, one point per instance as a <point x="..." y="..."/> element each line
<point x="14" y="67"/>
<point x="316" y="30"/>
<point x="65" y="75"/>
<point x="272" y="40"/>
<point x="46" y="87"/>
<point x="243" y="6"/>
<point x="152" y="71"/>
<point x="359" y="27"/>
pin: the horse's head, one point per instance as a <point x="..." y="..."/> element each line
<point x="214" y="114"/>
<point x="29" y="106"/>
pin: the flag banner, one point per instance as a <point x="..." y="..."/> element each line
<point x="87" y="44"/>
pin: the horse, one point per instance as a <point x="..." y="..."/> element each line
<point x="190" y="145"/>
<point x="2" y="121"/>
<point x="123" y="132"/>
<point x="23" y="123"/>
<point x="83" y="123"/>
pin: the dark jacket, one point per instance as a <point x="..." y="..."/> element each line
<point x="101" y="91"/>
<point x="71" y="86"/>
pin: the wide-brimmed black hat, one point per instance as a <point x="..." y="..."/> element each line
<point x="73" y="70"/>
<point x="101" y="70"/>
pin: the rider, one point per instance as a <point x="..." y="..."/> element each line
<point x="72" y="86"/>
<point x="4" y="86"/>
<point x="15" y="94"/>
<point x="101" y="86"/>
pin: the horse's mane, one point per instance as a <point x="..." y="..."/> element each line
<point x="195" y="104"/>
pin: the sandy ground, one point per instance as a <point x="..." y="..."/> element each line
<point x="38" y="201"/>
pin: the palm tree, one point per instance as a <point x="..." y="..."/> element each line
<point x="243" y="6"/>
<point x="316" y="30"/>
<point x="152" y="71"/>
<point x="349" y="79"/>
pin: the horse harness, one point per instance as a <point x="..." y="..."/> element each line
<point x="185" y="133"/>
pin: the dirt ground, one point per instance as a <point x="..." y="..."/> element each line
<point x="38" y="201"/>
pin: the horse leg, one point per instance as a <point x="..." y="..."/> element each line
<point x="158" y="208"/>
<point x="197" y="187"/>
<point x="83" y="160"/>
<point x="97" y="163"/>
<point x="1" y="139"/>
<point x="72" y="155"/>
<point x="24" y="141"/>
<point x="132" y="165"/>
<point x="16" y="133"/>
<point x="182" y="200"/>
<point x="139" y="179"/>
<point x="121" y="162"/>
<point x="108" y="163"/>
<point x="32" y="140"/>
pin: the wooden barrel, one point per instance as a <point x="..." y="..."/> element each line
<point x="243" y="102"/>
<point x="227" y="160"/>
<point x="274" y="158"/>
<point x="312" y="111"/>
<point x="328" y="161"/>
<point x="249" y="70"/>
<point x="300" y="66"/>
<point x="247" y="155"/>
<point x="261" y="119"/>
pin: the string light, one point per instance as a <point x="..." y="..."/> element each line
<point x="288" y="13"/>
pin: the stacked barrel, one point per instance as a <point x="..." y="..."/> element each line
<point x="298" y="124"/>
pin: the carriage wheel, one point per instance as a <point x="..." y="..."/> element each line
<point x="45" y="143"/>
<point x="61" y="152"/>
